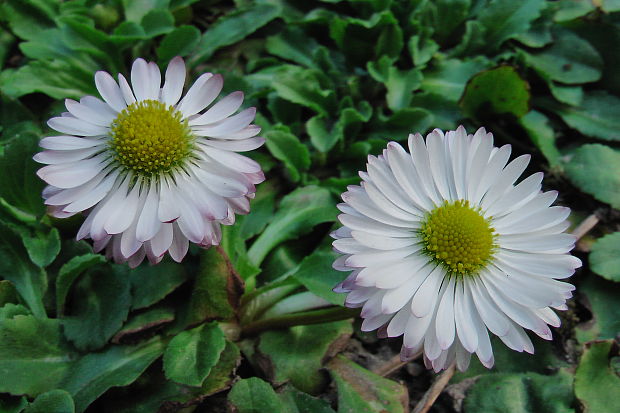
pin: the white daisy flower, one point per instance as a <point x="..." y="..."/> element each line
<point x="443" y="246"/>
<point x="151" y="170"/>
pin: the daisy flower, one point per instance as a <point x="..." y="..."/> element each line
<point x="444" y="247"/>
<point x="151" y="170"/>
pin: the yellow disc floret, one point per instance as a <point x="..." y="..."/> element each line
<point x="150" y="137"/>
<point x="458" y="237"/>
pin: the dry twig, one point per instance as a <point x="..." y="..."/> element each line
<point x="435" y="390"/>
<point x="394" y="364"/>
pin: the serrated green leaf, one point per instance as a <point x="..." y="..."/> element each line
<point x="303" y="86"/>
<point x="95" y="373"/>
<point x="602" y="297"/>
<point x="362" y="391"/>
<point x="446" y="113"/>
<point x="399" y="125"/>
<point x="521" y="393"/>
<point x="221" y="375"/>
<point x="592" y="169"/>
<point x="596" y="385"/>
<point x="233" y="27"/>
<point x="42" y="248"/>
<point x="298" y="213"/>
<point x="54" y="401"/>
<point x="287" y="148"/>
<point x="253" y="395"/>
<point x="191" y="354"/>
<point x="500" y="90"/>
<point x="180" y="42"/>
<point x="101" y="302"/>
<point x="421" y="50"/>
<point x="605" y="257"/>
<point x="151" y="318"/>
<point x="30" y="281"/>
<point x="32" y="354"/>
<point x="19" y="185"/>
<point x="68" y="274"/>
<point x="536" y="125"/>
<point x="570" y="59"/>
<point x="597" y="116"/>
<point x="296" y="354"/>
<point x="505" y="19"/>
<point x="400" y="84"/>
<point x="149" y="284"/>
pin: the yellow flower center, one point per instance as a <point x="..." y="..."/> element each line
<point x="458" y="237"/>
<point x="150" y="137"/>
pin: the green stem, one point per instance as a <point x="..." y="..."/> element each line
<point x="295" y="319"/>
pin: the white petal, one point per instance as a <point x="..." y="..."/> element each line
<point x="463" y="308"/>
<point x="61" y="157"/>
<point x="148" y="224"/>
<point x="175" y="79"/>
<point x="94" y="196"/>
<point x="162" y="240"/>
<point x="109" y="91"/>
<point x="179" y="245"/>
<point x="140" y="79"/>
<point x="124" y="214"/>
<point x="67" y="143"/>
<point x="445" y="317"/>
<point x="126" y="90"/>
<point x="227" y="126"/>
<point x="89" y="114"/>
<point x="75" y="126"/>
<point x="72" y="174"/>
<point x="204" y="91"/>
<point x="424" y="299"/>
<point x="236" y="146"/>
<point x="221" y="110"/>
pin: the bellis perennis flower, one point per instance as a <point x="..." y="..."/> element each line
<point x="443" y="246"/>
<point x="151" y="170"/>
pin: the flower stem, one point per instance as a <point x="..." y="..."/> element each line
<point x="307" y="317"/>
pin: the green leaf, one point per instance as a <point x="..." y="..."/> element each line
<point x="262" y="211"/>
<point x="505" y="19"/>
<point x="221" y="375"/>
<point x="191" y="354"/>
<point x="150" y="284"/>
<point x="253" y="395"/>
<point x="8" y="293"/>
<point x="157" y="22"/>
<point x="572" y="9"/>
<point x="215" y="294"/>
<point x="66" y="78"/>
<point x="303" y="86"/>
<point x="446" y="113"/>
<point x="598" y="115"/>
<point x="297" y="354"/>
<point x="95" y="373"/>
<point x="135" y="10"/>
<point x="596" y="384"/>
<point x="570" y="59"/>
<point x="32" y="354"/>
<point x="101" y="302"/>
<point x="298" y="213"/>
<point x="400" y="84"/>
<point x="592" y="169"/>
<point x="602" y="298"/>
<point x="421" y="50"/>
<point x="571" y="95"/>
<point x="537" y="126"/>
<point x="399" y="125"/>
<point x="500" y="90"/>
<point x="10" y="404"/>
<point x="54" y="401"/>
<point x="69" y="272"/>
<point x="30" y="281"/>
<point x="521" y="393"/>
<point x="449" y="77"/>
<point x="137" y="323"/>
<point x="287" y="148"/>
<point x="317" y="274"/>
<point x="180" y="42"/>
<point x="294" y="45"/>
<point x="19" y="185"/>
<point x="42" y="248"/>
<point x="605" y="257"/>
<point x="233" y="27"/>
<point x="348" y="125"/>
<point x="362" y="391"/>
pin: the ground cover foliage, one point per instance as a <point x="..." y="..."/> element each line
<point x="333" y="81"/>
